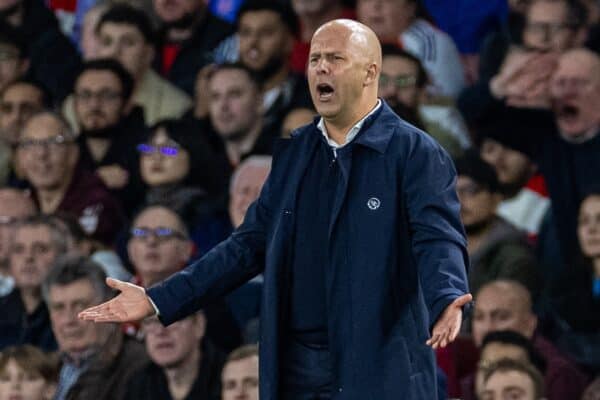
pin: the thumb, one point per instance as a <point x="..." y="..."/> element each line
<point x="464" y="299"/>
<point x="116" y="284"/>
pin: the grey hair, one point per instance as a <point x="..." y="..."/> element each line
<point x="66" y="131"/>
<point x="256" y="161"/>
<point x="58" y="235"/>
<point x="71" y="268"/>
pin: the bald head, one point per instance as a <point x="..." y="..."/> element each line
<point x="343" y="72"/>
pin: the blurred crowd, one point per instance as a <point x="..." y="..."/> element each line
<point x="134" y="135"/>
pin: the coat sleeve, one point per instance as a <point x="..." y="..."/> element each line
<point x="227" y="266"/>
<point x="437" y="235"/>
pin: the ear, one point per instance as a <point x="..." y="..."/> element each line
<point x="372" y="74"/>
<point x="531" y="325"/>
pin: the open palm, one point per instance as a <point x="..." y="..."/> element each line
<point x="447" y="326"/>
<point x="132" y="304"/>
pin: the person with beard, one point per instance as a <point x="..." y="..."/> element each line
<point x="45" y="45"/>
<point x="266" y="31"/>
<point x="189" y="33"/>
<point x="403" y="85"/>
<point x="109" y="132"/>
<point x="497" y="249"/>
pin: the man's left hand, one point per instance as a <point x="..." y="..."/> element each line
<point x="447" y="326"/>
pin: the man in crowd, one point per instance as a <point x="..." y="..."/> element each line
<point x="97" y="359"/>
<point x="13" y="49"/>
<point x="512" y="379"/>
<point x="18" y="102"/>
<point x="36" y="244"/>
<point x="246" y="184"/>
<point x="506" y="305"/>
<point x="15" y="205"/>
<point x="49" y="157"/>
<point x="239" y="379"/>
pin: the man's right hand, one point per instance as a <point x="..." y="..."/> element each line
<point x="132" y="304"/>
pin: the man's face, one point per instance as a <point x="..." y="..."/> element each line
<point x="32" y="255"/>
<point x="398" y="82"/>
<point x="171" y="346"/>
<point x="575" y="93"/>
<point x="73" y="334"/>
<point x="337" y="70"/>
<point x="14" y="206"/>
<point x="18" y="103"/>
<point x="170" y="11"/>
<point x="547" y="28"/>
<point x="18" y="383"/>
<point x="588" y="226"/>
<point x="46" y="156"/>
<point x="234" y="103"/>
<point x="265" y="41"/>
<point x="164" y="161"/>
<point x="240" y="379"/>
<point x="512" y="167"/>
<point x="246" y="189"/>
<point x="156" y="256"/>
<point x="513" y="385"/>
<point x="477" y="203"/>
<point x="500" y="310"/>
<point x="493" y="352"/>
<point x="126" y="44"/>
<point x="387" y="18"/>
<point x="98" y="100"/>
<point x="12" y="67"/>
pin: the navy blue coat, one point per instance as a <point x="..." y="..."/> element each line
<point x="397" y="252"/>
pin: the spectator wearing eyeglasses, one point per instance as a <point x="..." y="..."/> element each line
<point x="14" y="206"/>
<point x="497" y="249"/>
<point x="109" y="128"/>
<point x="49" y="157"/>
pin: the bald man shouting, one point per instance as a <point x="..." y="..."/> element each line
<point x="357" y="233"/>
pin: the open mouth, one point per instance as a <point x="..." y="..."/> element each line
<point x="325" y="91"/>
<point x="568" y="112"/>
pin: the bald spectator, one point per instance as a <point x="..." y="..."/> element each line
<point x="240" y="374"/>
<point x="246" y="184"/>
<point x="403" y="22"/>
<point x="49" y="157"/>
<point x="15" y="205"/>
<point x="36" y="244"/>
<point x="97" y="360"/>
<point x="506" y="305"/>
<point x="184" y="364"/>
<point x="512" y="379"/>
<point x="189" y="33"/>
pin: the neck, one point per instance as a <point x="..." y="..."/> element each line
<point x="98" y="147"/>
<point x="596" y="264"/>
<point x="310" y="23"/>
<point x="50" y="199"/>
<point x="31" y="298"/>
<point x="338" y="129"/>
<point x="237" y="148"/>
<point x="181" y="378"/>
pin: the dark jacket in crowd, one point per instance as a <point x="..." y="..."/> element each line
<point x="107" y="376"/>
<point x="196" y="52"/>
<point x="17" y="327"/>
<point x="397" y="251"/>
<point x="150" y="383"/>
<point x="53" y="60"/>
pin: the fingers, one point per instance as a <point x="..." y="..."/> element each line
<point x="116" y="284"/>
<point x="463" y="300"/>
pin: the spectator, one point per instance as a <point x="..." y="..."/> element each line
<point x="496" y="248"/>
<point x="19" y="100"/>
<point x="26" y="373"/>
<point x="190" y="32"/>
<point x="239" y="379"/>
<point x="404" y="22"/>
<point x="108" y="130"/>
<point x="402" y="84"/>
<point x="312" y="14"/>
<point x="296" y="118"/>
<point x="126" y="34"/>
<point x="501" y="345"/>
<point x="14" y="61"/>
<point x="246" y="184"/>
<point x="45" y="45"/>
<point x="593" y="391"/>
<point x="184" y="365"/>
<point x="97" y="359"/>
<point x="506" y="305"/>
<point x="49" y="157"/>
<point x="511" y="378"/>
<point x="89" y="43"/>
<point x="505" y="145"/>
<point x="36" y="244"/>
<point x="15" y="205"/>
<point x="235" y="113"/>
